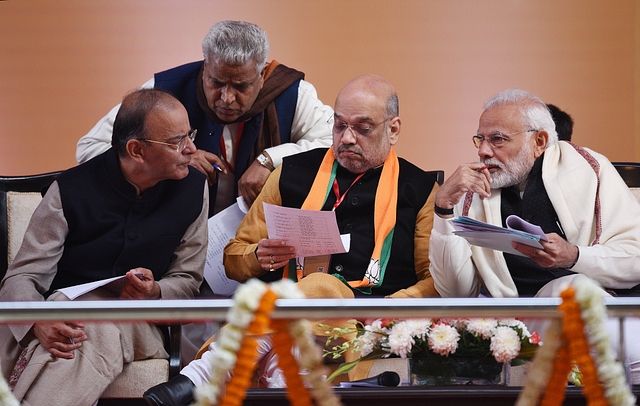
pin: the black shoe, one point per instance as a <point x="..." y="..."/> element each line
<point x="177" y="392"/>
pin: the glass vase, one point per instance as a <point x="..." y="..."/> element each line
<point x="436" y="370"/>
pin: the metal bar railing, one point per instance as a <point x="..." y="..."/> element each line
<point x="216" y="309"/>
<point x="363" y="308"/>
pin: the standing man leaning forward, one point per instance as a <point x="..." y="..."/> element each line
<point x="249" y="113"/>
<point x="591" y="219"/>
<point x="137" y="210"/>
<point x="377" y="195"/>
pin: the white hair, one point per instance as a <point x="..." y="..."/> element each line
<point x="236" y="43"/>
<point x="535" y="112"/>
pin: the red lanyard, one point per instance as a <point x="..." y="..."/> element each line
<point x="223" y="148"/>
<point x="336" y="190"/>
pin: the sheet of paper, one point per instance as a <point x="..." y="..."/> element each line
<point x="222" y="228"/>
<point x="498" y="238"/>
<point x="312" y="232"/>
<point x="73" y="292"/>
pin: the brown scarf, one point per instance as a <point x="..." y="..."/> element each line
<point x="278" y="78"/>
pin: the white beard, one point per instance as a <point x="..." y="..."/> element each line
<point x="514" y="171"/>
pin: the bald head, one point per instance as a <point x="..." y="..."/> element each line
<point x="373" y="86"/>
<point x="366" y="123"/>
<point x="132" y="115"/>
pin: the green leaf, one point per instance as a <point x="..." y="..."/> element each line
<point x="348" y="366"/>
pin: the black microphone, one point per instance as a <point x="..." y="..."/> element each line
<point x="387" y="378"/>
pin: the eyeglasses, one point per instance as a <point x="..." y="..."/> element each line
<point x="180" y="145"/>
<point x="496" y="139"/>
<point x="338" y="127"/>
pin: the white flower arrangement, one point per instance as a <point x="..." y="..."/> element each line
<point x="502" y="338"/>
<point x="506" y="340"/>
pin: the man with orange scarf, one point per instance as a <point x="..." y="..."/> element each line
<point x="384" y="202"/>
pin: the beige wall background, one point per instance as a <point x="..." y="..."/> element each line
<point x="66" y="63"/>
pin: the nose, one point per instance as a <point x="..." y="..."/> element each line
<point x="190" y="147"/>
<point x="484" y="150"/>
<point x="350" y="138"/>
<point x="227" y="95"/>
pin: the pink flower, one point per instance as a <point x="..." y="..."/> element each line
<point x="535" y="338"/>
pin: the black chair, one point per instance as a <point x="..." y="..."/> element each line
<point x="19" y="196"/>
<point x="439" y="175"/>
<point x="18" y="193"/>
<point x="630" y="173"/>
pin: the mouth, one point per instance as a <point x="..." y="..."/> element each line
<point x="349" y="152"/>
<point x="492" y="167"/>
<point x="225" y="111"/>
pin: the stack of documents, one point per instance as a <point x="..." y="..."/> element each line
<point x="499" y="238"/>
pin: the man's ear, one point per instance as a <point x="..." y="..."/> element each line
<point x="541" y="139"/>
<point x="394" y="130"/>
<point x="135" y="150"/>
<point x="263" y="75"/>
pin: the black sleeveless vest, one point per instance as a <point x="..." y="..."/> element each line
<point x="112" y="231"/>
<point x="355" y="216"/>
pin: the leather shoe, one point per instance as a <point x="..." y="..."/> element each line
<point x="176" y="392"/>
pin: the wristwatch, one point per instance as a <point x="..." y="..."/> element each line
<point x="265" y="160"/>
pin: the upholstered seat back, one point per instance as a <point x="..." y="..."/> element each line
<point x="20" y="207"/>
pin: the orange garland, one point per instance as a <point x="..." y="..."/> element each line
<point x="555" y="392"/>
<point x="575" y="347"/>
<point x="297" y="392"/>
<point x="243" y="371"/>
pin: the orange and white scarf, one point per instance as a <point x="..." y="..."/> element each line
<point x="384" y="214"/>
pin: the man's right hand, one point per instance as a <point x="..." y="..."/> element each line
<point x="473" y="177"/>
<point x="204" y="161"/>
<point x="59" y="338"/>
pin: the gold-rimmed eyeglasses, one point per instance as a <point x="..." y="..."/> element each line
<point x="363" y="129"/>
<point x="180" y="145"/>
<point x="497" y="139"/>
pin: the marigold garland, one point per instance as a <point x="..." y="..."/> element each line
<point x="243" y="370"/>
<point x="603" y="377"/>
<point x="282" y="344"/>
<point x="249" y="318"/>
<point x="555" y="393"/>
<point x="6" y="397"/>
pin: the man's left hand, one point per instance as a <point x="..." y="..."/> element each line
<point x="252" y="181"/>
<point x="140" y="285"/>
<point x="556" y="252"/>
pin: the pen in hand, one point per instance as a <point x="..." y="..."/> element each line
<point x="217" y="167"/>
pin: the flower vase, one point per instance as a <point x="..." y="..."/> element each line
<point x="437" y="370"/>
